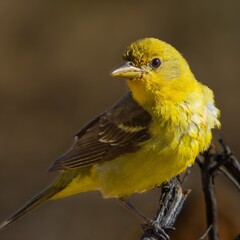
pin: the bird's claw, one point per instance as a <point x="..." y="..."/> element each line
<point x="159" y="231"/>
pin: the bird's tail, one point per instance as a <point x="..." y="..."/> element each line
<point x="35" y="202"/>
<point x="58" y="185"/>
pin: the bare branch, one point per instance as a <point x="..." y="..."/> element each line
<point x="170" y="205"/>
<point x="209" y="193"/>
<point x="210" y="163"/>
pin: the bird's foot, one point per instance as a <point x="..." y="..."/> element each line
<point x="157" y="229"/>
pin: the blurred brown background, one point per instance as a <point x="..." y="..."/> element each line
<point x="55" y="60"/>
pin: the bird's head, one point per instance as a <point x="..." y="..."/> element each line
<point x="155" y="71"/>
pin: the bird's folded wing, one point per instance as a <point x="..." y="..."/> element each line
<point x="119" y="130"/>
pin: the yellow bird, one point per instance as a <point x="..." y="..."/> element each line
<point x="150" y="135"/>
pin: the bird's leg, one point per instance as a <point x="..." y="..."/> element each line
<point x="125" y="202"/>
<point x="150" y="224"/>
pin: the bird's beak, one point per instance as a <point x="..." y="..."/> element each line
<point x="126" y="70"/>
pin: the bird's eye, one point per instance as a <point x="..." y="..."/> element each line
<point x="155" y="63"/>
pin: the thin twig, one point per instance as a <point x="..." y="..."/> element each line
<point x="210" y="163"/>
<point x="209" y="194"/>
<point x="231" y="163"/>
<point x="230" y="177"/>
<point x="206" y="233"/>
<point x="227" y="162"/>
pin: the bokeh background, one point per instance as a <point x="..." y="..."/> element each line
<point x="55" y="60"/>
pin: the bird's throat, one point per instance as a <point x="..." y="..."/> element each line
<point x="140" y="93"/>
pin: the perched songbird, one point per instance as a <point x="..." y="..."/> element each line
<point x="150" y="135"/>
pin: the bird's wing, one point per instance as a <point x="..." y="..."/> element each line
<point x="119" y="130"/>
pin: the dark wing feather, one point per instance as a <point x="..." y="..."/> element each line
<point x="117" y="131"/>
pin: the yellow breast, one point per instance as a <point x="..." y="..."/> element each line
<point x="175" y="142"/>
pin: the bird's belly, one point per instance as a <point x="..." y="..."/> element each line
<point x="140" y="171"/>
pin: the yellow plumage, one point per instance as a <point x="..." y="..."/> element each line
<point x="151" y="135"/>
